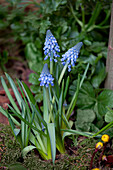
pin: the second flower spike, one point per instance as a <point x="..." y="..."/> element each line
<point x="51" y="47"/>
<point x="71" y="56"/>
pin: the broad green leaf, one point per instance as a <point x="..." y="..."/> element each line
<point x="109" y="116"/>
<point x="86" y="115"/>
<point x="98" y="79"/>
<point x="84" y="119"/>
<point x="39" y="97"/>
<point x="83" y="126"/>
<point x="103" y="100"/>
<point x="35" y="88"/>
<point x="86" y="98"/>
<point x="33" y="57"/>
<point x="33" y="78"/>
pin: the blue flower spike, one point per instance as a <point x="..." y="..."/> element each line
<point x="45" y="77"/>
<point x="71" y="56"/>
<point x="51" y="47"/>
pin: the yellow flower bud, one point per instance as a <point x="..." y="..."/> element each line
<point x="99" y="145"/>
<point x="105" y="138"/>
<point x="104" y="158"/>
<point x="96" y="169"/>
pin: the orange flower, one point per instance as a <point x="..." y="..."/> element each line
<point x="105" y="138"/>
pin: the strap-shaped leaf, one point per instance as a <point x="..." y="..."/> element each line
<point x="74" y="100"/>
<point x="29" y="96"/>
<point x="51" y="131"/>
<point x="68" y="132"/>
<point x="25" y="121"/>
<point x="9" y="95"/>
<point x="16" y="92"/>
<point x="3" y="111"/>
<point x="45" y="105"/>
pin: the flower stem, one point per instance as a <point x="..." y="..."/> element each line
<point x="100" y="158"/>
<point x="92" y="159"/>
<point x="62" y="73"/>
<point x="51" y="64"/>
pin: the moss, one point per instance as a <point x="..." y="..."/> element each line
<point x="79" y="159"/>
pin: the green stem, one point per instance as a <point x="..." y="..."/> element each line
<point x="62" y="73"/>
<point x="73" y="13"/>
<point x="51" y="63"/>
<point x="83" y="18"/>
<point x="51" y="67"/>
<point x="87" y="67"/>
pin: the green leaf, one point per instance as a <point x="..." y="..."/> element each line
<point x="103" y="100"/>
<point x="94" y="16"/>
<point x="16" y="92"/>
<point x="45" y="105"/>
<point x="39" y="97"/>
<point x="16" y="166"/>
<point x="86" y="115"/>
<point x="35" y="88"/>
<point x="86" y="98"/>
<point x="16" y="132"/>
<point x="109" y="116"/>
<point x="4" y="112"/>
<point x="87" y="42"/>
<point x="68" y="132"/>
<point x="84" y="119"/>
<point x="44" y="25"/>
<point x="29" y="96"/>
<point x="51" y="131"/>
<point x="74" y="100"/>
<point x="34" y="57"/>
<point x="27" y="149"/>
<point x="98" y="79"/>
<point x="9" y="95"/>
<point x="33" y="78"/>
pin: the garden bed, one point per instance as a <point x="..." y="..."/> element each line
<point x="77" y="157"/>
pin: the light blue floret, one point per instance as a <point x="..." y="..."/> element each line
<point x="51" y="47"/>
<point x="71" y="56"/>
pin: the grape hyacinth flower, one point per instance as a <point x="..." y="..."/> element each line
<point x="71" y="56"/>
<point x="45" y="77"/>
<point x="51" y="47"/>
